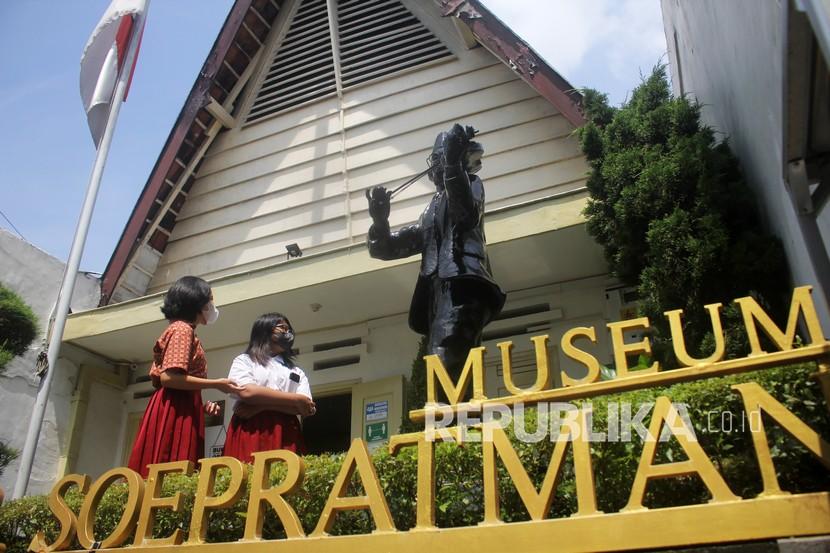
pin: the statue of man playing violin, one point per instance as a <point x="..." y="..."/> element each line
<point x="455" y="296"/>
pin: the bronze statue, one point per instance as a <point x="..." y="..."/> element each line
<point x="455" y="296"/>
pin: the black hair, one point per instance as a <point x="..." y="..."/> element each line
<point x="185" y="299"/>
<point x="259" y="348"/>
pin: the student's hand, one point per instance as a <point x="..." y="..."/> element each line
<point x="228" y="386"/>
<point x="212" y="408"/>
<point x="305" y="406"/>
<point x="246" y="410"/>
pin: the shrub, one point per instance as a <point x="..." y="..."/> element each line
<point x="458" y="478"/>
<point x="674" y="215"/>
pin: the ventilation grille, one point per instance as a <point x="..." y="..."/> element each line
<point x="328" y="346"/>
<point x="522" y="311"/>
<point x="519" y="328"/>
<point x="503" y="333"/>
<point x="338" y="362"/>
<point x="303" y="67"/>
<point x="376" y="37"/>
<point x="380" y="37"/>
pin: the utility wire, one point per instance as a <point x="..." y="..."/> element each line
<point x="12" y="225"/>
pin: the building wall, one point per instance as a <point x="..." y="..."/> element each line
<point x="36" y="277"/>
<point x="388" y="348"/>
<point x="300" y="176"/>
<point x="729" y="56"/>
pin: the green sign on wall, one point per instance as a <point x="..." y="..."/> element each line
<point x="377" y="431"/>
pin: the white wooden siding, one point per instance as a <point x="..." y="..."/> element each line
<point x="300" y="177"/>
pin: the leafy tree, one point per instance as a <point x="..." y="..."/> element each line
<point x="18" y="329"/>
<point x="7" y="455"/>
<point x="674" y="215"/>
<point x="18" y="326"/>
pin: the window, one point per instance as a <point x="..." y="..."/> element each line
<point x="330" y="429"/>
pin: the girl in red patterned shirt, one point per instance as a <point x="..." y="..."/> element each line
<point x="173" y="425"/>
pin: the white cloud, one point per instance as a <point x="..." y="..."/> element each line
<point x="621" y="37"/>
<point x="634" y="34"/>
<point x="561" y="31"/>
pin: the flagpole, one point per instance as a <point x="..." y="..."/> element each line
<point x="74" y="261"/>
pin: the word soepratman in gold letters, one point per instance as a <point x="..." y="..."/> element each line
<point x="143" y="498"/>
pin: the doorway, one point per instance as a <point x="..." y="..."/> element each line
<point x="330" y="429"/>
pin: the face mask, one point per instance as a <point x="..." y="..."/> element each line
<point x="285" y="340"/>
<point x="210" y="313"/>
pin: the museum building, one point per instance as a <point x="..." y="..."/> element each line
<point x="300" y="107"/>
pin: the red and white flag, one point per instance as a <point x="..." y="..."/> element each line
<point x="104" y="58"/>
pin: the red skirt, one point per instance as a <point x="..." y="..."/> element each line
<point x="263" y="432"/>
<point x="172" y="429"/>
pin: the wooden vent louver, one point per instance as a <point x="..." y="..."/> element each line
<point x="381" y="37"/>
<point x="303" y="67"/>
<point x="376" y="38"/>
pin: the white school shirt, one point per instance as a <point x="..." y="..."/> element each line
<point x="275" y="375"/>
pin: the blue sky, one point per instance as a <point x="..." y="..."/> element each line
<point x="46" y="152"/>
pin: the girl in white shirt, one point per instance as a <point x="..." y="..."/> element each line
<point x="275" y="392"/>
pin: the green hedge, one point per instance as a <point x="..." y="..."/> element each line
<point x="459" y="488"/>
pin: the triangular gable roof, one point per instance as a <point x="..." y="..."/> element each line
<point x="224" y="73"/>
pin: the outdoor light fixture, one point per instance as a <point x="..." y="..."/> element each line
<point x="294" y="250"/>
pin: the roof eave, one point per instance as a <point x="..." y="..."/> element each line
<point x="503" y="43"/>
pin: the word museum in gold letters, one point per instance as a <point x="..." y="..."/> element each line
<point x="727" y="517"/>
